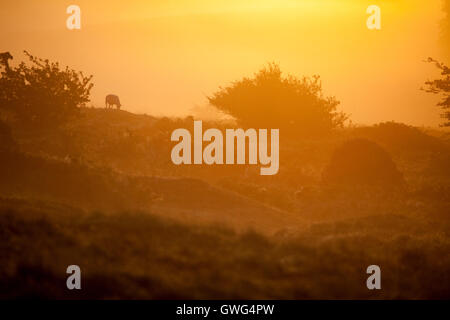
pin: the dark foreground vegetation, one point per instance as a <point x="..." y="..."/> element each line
<point x="140" y="255"/>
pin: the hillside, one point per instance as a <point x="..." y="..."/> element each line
<point x="102" y="192"/>
<point x="100" y="189"/>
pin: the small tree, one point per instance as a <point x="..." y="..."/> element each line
<point x="43" y="93"/>
<point x="270" y="100"/>
<point x="441" y="86"/>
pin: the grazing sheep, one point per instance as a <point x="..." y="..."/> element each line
<point x="111" y="101"/>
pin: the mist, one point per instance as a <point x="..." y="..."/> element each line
<point x="163" y="58"/>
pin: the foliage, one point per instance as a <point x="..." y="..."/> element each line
<point x="43" y="93"/>
<point x="270" y="100"/>
<point x="441" y="86"/>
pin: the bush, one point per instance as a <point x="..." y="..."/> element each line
<point x="269" y="100"/>
<point x="361" y="162"/>
<point x="42" y="93"/>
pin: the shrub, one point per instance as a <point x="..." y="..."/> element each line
<point x="42" y="93"/>
<point x="361" y="162"/>
<point x="271" y="100"/>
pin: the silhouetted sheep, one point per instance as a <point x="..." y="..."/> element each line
<point x="112" y="100"/>
<point x="361" y="162"/>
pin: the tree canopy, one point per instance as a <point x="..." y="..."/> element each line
<point x="271" y="100"/>
<point x="42" y="92"/>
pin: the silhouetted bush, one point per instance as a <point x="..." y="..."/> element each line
<point x="399" y="137"/>
<point x="269" y="100"/>
<point x="362" y="162"/>
<point x="42" y="93"/>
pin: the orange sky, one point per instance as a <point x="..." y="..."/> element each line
<point x="163" y="57"/>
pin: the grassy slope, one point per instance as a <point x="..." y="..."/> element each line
<point x="187" y="199"/>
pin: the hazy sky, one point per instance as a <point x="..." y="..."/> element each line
<point x="164" y="57"/>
